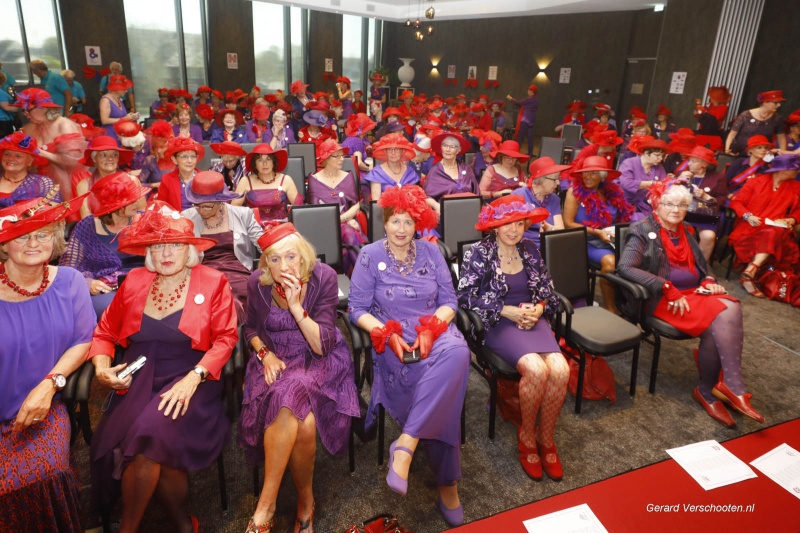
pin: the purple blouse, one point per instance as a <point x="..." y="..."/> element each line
<point x="378" y="175"/>
<point x="438" y="183"/>
<point x="632" y="175"/>
<point x="195" y="132"/>
<point x="344" y="193"/>
<point x="287" y="137"/>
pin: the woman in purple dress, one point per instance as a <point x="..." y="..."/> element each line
<point x="504" y="280"/>
<point x="280" y="135"/>
<point x="378" y="93"/>
<point x="256" y="128"/>
<point x="356" y="129"/>
<point x="402" y="293"/>
<point x="506" y="174"/>
<point x="299" y="379"/>
<point x="231" y="164"/>
<point x="332" y="185"/>
<point x="47" y="326"/>
<point x="143" y="164"/>
<point x="265" y="187"/>
<point x="112" y="107"/>
<point x="183" y="126"/>
<point x="396" y="152"/>
<point x="230" y="127"/>
<point x="639" y="173"/>
<point x="19" y="152"/>
<point x="171" y="419"/>
<point x="448" y="176"/>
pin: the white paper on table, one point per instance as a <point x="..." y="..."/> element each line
<point x="781" y="465"/>
<point x="578" y="519"/>
<point x="710" y="464"/>
<point x="770" y="222"/>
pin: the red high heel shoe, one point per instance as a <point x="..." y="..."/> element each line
<point x="553" y="469"/>
<point x="747" y="280"/>
<point x="195" y="523"/>
<point x="740" y="403"/>
<point x="534" y="470"/>
<point x="715" y="410"/>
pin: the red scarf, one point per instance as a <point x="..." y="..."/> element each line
<point x="679" y="255"/>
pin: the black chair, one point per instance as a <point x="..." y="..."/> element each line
<point x="349" y="165"/>
<point x="552" y="147"/>
<point x="308" y="151"/>
<point x="571" y="134"/>
<point x="375" y="230"/>
<point x="620" y="234"/>
<point x="76" y="399"/>
<point x="296" y="169"/>
<point x="589" y="328"/>
<point x="458" y="218"/>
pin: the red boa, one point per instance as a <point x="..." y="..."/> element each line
<point x="679" y="254"/>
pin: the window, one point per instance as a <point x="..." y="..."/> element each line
<point x="359" y="55"/>
<point x="298" y="18"/>
<point x="42" y="29"/>
<point x="268" y="43"/>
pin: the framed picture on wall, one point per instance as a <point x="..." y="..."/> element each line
<point x="400" y="90"/>
<point x="328" y="64"/>
<point x="472" y="73"/>
<point x="492" y="73"/>
<point x="451" y="71"/>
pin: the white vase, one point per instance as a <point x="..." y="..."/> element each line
<point x="406" y="73"/>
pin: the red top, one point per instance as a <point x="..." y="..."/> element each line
<point x="170" y="190"/>
<point x="757" y="197"/>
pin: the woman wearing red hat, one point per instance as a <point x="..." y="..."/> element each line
<point x="541" y="191"/>
<point x="640" y="173"/>
<point x="301" y="99"/>
<point x="182" y="117"/>
<point x="603" y="143"/>
<point x="527" y="116"/>
<point x="257" y="127"/>
<point x="603" y="117"/>
<point x="265" y="188"/>
<point x="143" y="164"/>
<point x="395" y="171"/>
<point x="184" y="153"/>
<point x="759" y="152"/>
<point x="448" y="176"/>
<point x="18" y="153"/>
<point x="662" y="127"/>
<point x="594" y="200"/>
<point x="498" y="116"/>
<point x="356" y="129"/>
<point x="358" y="103"/>
<point x="299" y="380"/>
<point x="504" y="280"/>
<point x="661" y="255"/>
<point x="230" y="128"/>
<point x="163" y="100"/>
<point x="179" y="314"/>
<point x="47" y="327"/>
<point x="378" y="93"/>
<point x="231" y="164"/>
<point x="345" y="95"/>
<point x="93" y="247"/>
<point x="105" y="155"/>
<point x="793" y="132"/>
<point x="112" y="107"/>
<point x="205" y="117"/>
<point x="574" y="115"/>
<point x="203" y="95"/>
<point x="761" y="120"/>
<point x="506" y="174"/>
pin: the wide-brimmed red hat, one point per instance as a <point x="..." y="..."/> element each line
<point x="478" y="108"/>
<point x="793" y="118"/>
<point x="606" y="138"/>
<point x="758" y="140"/>
<point x="343" y="79"/>
<point x="297" y="86"/>
<point x="595" y="163"/>
<point x="205" y="111"/>
<point x="394" y="140"/>
<point x="209" y="186"/>
<point x="377" y="77"/>
<point x="648" y="142"/>
<point x="771" y="96"/>
<point x="274" y="233"/>
<point x="119" y="82"/>
<point x="436" y="142"/>
<point x="544" y="166"/>
<point x="260" y="112"/>
<point x="327" y="148"/>
<point x="101" y="144"/>
<point x="88" y="129"/>
<point x="177" y="145"/>
<point x="411" y="199"/>
<point x="321" y="95"/>
<point x="31" y="98"/>
<point x="161" y="226"/>
<point x="663" y="110"/>
<point x="436" y="104"/>
<point x="392" y="111"/>
<point x="203" y="89"/>
<point x="488" y="141"/>
<point x="235" y="112"/>
<point x="36" y="216"/>
<point x="229" y="148"/>
<point x="511" y="149"/>
<point x="335" y="102"/>
<point x="682" y="143"/>
<point x="21" y="142"/>
<point x="358" y="124"/>
<point x="406" y="94"/>
<point x="113" y="192"/>
<point x="602" y="108"/>
<point x="507" y="209"/>
<point x="265" y="149"/>
<point x="706" y="154"/>
<point x="720" y="94"/>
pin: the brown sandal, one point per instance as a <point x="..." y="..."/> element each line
<point x="252" y="527"/>
<point x="747" y="280"/>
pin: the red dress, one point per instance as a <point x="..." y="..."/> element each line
<point x="758" y="197"/>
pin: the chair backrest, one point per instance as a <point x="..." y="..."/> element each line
<point x="469" y="158"/>
<point x="208" y="156"/>
<point x="620" y="234"/>
<point x="552" y="147"/>
<point x="295" y="169"/>
<point x="723" y="160"/>
<point x="571" y="133"/>
<point x="308" y="151"/>
<point x="567" y="258"/>
<point x="248" y="147"/>
<point x="319" y="224"/>
<point x="463" y="247"/>
<point x="375" y="222"/>
<point x="459" y="216"/>
<point x="349" y="165"/>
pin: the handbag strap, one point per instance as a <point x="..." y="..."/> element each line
<point x="382" y="523"/>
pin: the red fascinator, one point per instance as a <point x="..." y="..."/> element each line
<point x="410" y="199"/>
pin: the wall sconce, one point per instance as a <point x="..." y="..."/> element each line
<point x="417" y="23"/>
<point x="430" y="30"/>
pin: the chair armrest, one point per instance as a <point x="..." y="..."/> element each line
<point x="355" y="332"/>
<point x="565" y="307"/>
<point x="446" y="252"/>
<point x="85" y="376"/>
<point x="476" y="322"/>
<point x="638" y="291"/>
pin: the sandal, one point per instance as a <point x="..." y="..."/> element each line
<point x="252" y="527"/>
<point x="305" y="525"/>
<point x="747" y="280"/>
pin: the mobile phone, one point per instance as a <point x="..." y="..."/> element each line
<point x="411" y="357"/>
<point x="133" y="367"/>
<point x="525" y="305"/>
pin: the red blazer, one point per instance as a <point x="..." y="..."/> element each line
<point x="209" y="318"/>
<point x="170" y="190"/>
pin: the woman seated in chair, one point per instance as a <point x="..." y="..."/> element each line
<point x="596" y="202"/>
<point x="402" y="293"/>
<point x="505" y="281"/>
<point x="506" y="174"/>
<point x="170" y="421"/>
<point x="299" y="377"/>
<point x="265" y="187"/>
<point x="773" y="195"/>
<point x="541" y="192"/>
<point x="448" y="176"/>
<point x="395" y="151"/>
<point x="662" y="254"/>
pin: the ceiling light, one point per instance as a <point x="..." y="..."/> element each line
<point x="658" y="7"/>
<point x="430" y="12"/>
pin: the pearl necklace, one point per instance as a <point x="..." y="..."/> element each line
<point x="19" y="290"/>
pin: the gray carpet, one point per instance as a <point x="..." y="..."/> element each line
<point x="604" y="440"/>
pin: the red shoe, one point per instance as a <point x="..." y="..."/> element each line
<point x="716" y="410"/>
<point x="195" y="523"/>
<point x="534" y="470"/>
<point x="747" y="280"/>
<point x="553" y="469"/>
<point x="740" y="403"/>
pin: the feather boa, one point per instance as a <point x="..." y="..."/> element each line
<point x="598" y="216"/>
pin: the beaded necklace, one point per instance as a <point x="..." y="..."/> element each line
<point x="160" y="299"/>
<point x="406" y="267"/>
<point x="19" y="290"/>
<point x="221" y="219"/>
<point x="282" y="293"/>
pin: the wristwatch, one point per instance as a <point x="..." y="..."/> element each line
<point x="59" y="381"/>
<point x="199" y="371"/>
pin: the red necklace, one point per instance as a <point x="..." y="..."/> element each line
<point x="160" y="299"/>
<point x="281" y="292"/>
<point x="19" y="290"/>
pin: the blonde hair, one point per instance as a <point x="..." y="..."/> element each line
<point x="191" y="261"/>
<point x="308" y="257"/>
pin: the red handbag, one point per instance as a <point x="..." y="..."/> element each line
<point x="778" y="285"/>
<point x="383" y="523"/>
<point x="598" y="378"/>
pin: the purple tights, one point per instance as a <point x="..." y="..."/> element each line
<point x="721" y="348"/>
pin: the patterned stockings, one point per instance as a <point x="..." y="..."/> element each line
<point x="542" y="389"/>
<point x="721" y="347"/>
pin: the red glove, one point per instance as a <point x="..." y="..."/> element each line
<point x="670" y="292"/>
<point x="379" y="335"/>
<point x="708" y="281"/>
<point x="431" y="326"/>
<point x="398" y="346"/>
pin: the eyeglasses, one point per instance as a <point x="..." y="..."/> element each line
<point x="205" y="207"/>
<point x="670" y="206"/>
<point x="553" y="179"/>
<point x="175" y="246"/>
<point x="107" y="155"/>
<point x="338" y="156"/>
<point x="187" y="157"/>
<point x="451" y="146"/>
<point x="43" y="237"/>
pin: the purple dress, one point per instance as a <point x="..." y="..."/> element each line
<point x="633" y="174"/>
<point x="284" y="140"/>
<point x="116" y="111"/>
<point x="438" y="183"/>
<point x="222" y="258"/>
<point x="132" y="425"/>
<point x="195" y="132"/>
<point x="424" y="398"/>
<point x="323" y="385"/>
<point x="38" y="487"/>
<point x="378" y="175"/>
<point x="270" y="204"/>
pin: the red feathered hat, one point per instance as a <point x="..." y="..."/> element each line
<point x="410" y="199"/>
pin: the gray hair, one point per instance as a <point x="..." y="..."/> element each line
<point x="52" y="114"/>
<point x="192" y="261"/>
<point x="678" y="193"/>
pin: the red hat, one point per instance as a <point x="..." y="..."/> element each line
<point x="161" y="129"/>
<point x="634" y="110"/>
<point x="209" y="186"/>
<point x="488" y="141"/>
<point x="449" y="101"/>
<point x="163" y="91"/>
<point x="507" y="209"/>
<point x="239" y="94"/>
<point x="16" y="211"/>
<point x="758" y="140"/>
<point x="21" y="142"/>
<point x="129" y="133"/>
<point x="499" y="103"/>
<point x="256" y="89"/>
<point x="392" y="111"/>
<point x="101" y="144"/>
<point x="358" y="91"/>
<point x="663" y="110"/>
<point x="682" y="143"/>
<point x="160" y="227"/>
<point x="217" y="93"/>
<point x="230" y="97"/>
<point x="335" y="102"/>
<point x="544" y="166"/>
<point x="30" y="98"/>
<point x="483" y="97"/>
<point x="406" y="94"/>
<point x="436" y="104"/>
<point x="113" y="192"/>
<point x="394" y="140"/>
<point x="281" y="156"/>
<point x="377" y="77"/>
<point x="606" y="138"/>
<point x="88" y="129"/>
<point x="274" y="233"/>
<point x="595" y="163"/>
<point x="321" y="95"/>
<point x="533" y="88"/>
<point x="706" y="154"/>
<point x="647" y="142"/>
<point x="639" y="116"/>
<point x="229" y="148"/>
<point x="177" y="145"/>
<point x="260" y="112"/>
<point x="119" y="82"/>
<point x="436" y="142"/>
<point x="720" y="94"/>
<point x="478" y="108"/>
<point x="358" y="124"/>
<point x="771" y="96"/>
<point x="327" y="148"/>
<point x="460" y="109"/>
<point x="576" y="106"/>
<point x="203" y="89"/>
<point x="461" y="96"/>
<point x="235" y="112"/>
<point x="271" y="99"/>
<point x="205" y="111"/>
<point x="343" y="79"/>
<point x="794" y="118"/>
<point x="511" y="149"/>
<point x="285" y="106"/>
<point x="410" y="199"/>
<point x="602" y="108"/>
<point x="44" y="215"/>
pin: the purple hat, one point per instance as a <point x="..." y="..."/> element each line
<point x="316" y="118"/>
<point x="784" y="162"/>
<point x="209" y="186"/>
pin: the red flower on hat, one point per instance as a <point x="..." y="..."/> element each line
<point x="410" y="199"/>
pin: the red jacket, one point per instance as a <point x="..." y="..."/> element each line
<point x="208" y="318"/>
<point x="170" y="190"/>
